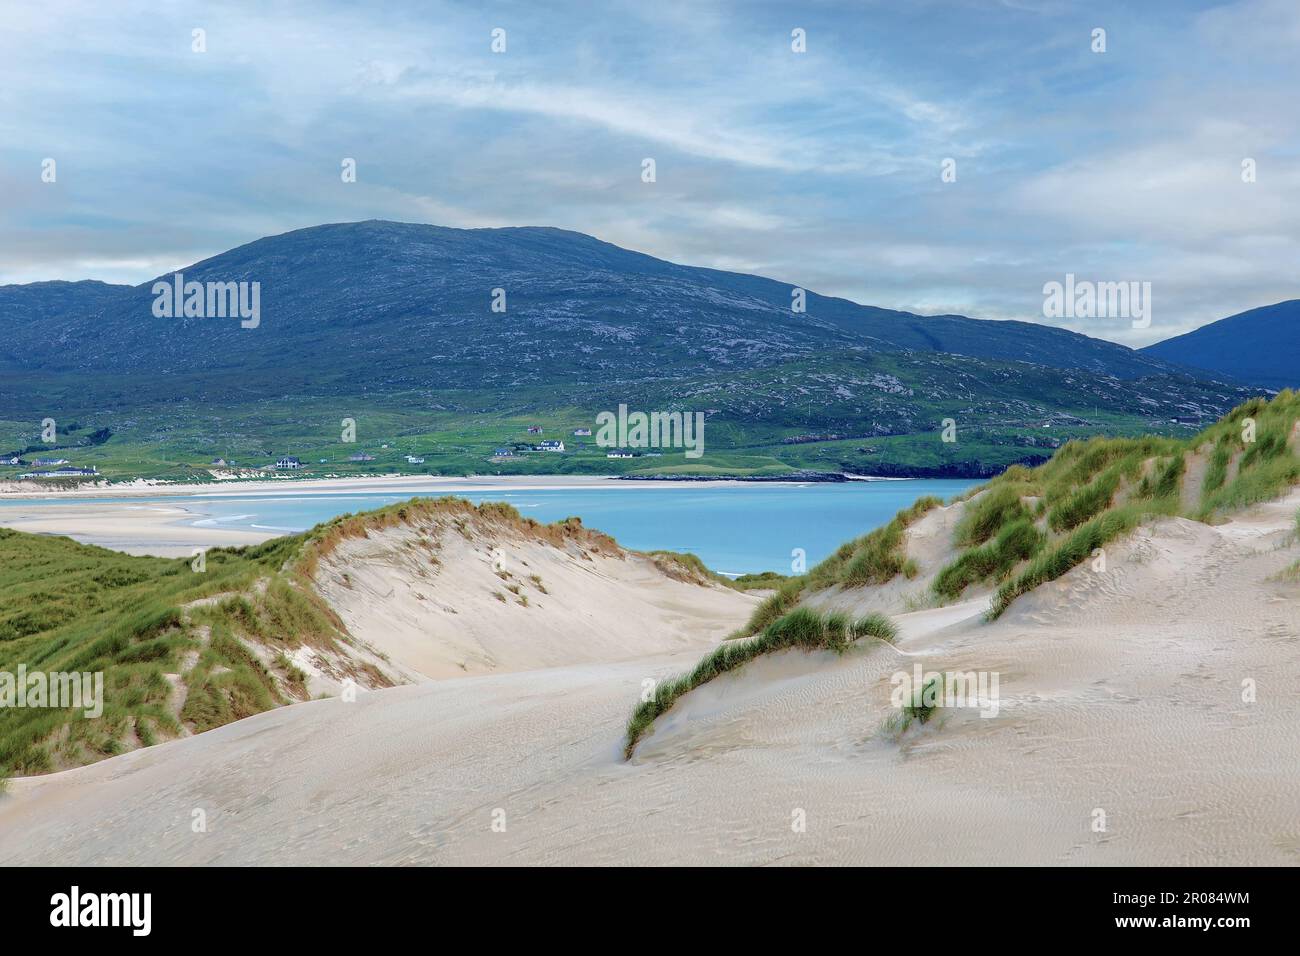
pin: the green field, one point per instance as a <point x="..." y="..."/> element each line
<point x="182" y="444"/>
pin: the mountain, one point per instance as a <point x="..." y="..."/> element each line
<point x="408" y="305"/>
<point x="32" y="307"/>
<point x="355" y="316"/>
<point x="1260" y="346"/>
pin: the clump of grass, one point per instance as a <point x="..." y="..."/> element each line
<point x="997" y="507"/>
<point x="1075" y="549"/>
<point x="877" y="560"/>
<point x="767" y="580"/>
<point x="874" y="558"/>
<point x="1268" y="479"/>
<point x="1267" y="466"/>
<point x="144" y="730"/>
<point x="920" y="709"/>
<point x="802" y="627"/>
<point x="1014" y="543"/>
<point x="1086" y="502"/>
<point x="1292" y="573"/>
<point x="773" y="606"/>
<point x="1165" y="480"/>
<point x="685" y="566"/>
<point x="294" y="676"/>
<point x="229" y="682"/>
<point x="1216" y="472"/>
<point x="1078" y="463"/>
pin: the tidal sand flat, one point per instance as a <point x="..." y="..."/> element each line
<point x="162" y="529"/>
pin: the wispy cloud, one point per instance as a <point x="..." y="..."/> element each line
<point x="820" y="167"/>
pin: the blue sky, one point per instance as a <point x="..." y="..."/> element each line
<point x="821" y="168"/>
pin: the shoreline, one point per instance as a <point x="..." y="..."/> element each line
<point x="449" y="484"/>
<point x="160" y="531"/>
<point x="171" y="520"/>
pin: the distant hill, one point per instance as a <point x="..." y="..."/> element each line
<point x="397" y="319"/>
<point x="1258" y="347"/>
<point x="400" y="305"/>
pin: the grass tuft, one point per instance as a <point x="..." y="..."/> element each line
<point x="1014" y="543"/>
<point x="802" y="627"/>
<point x="923" y="706"/>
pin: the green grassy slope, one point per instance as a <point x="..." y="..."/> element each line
<point x="1032" y="525"/>
<point x="863" y="414"/>
<point x="68" y="607"/>
<point x="220" y="639"/>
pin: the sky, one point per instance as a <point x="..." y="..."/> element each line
<point x="822" y="168"/>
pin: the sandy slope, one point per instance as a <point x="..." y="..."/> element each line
<point x="1118" y="691"/>
<point x="928" y="542"/>
<point x="458" y="595"/>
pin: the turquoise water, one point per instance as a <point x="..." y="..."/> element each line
<point x="735" y="529"/>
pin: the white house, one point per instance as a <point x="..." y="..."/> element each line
<point x="65" y="472"/>
<point x="582" y="432"/>
<point x="551" y="446"/>
<point x="619" y="453"/>
<point x="287" y="462"/>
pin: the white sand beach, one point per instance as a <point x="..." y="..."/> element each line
<point x="397" y="484"/>
<point x="162" y="530"/>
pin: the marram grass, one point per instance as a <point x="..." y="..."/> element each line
<point x="1090" y="493"/>
<point x="802" y="627"/>
<point x="66" y="606"/>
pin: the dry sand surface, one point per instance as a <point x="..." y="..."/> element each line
<point x="1120" y="692"/>
<point x="449" y="600"/>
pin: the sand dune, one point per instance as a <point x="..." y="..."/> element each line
<point x="1120" y="694"/>
<point x="464" y="594"/>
